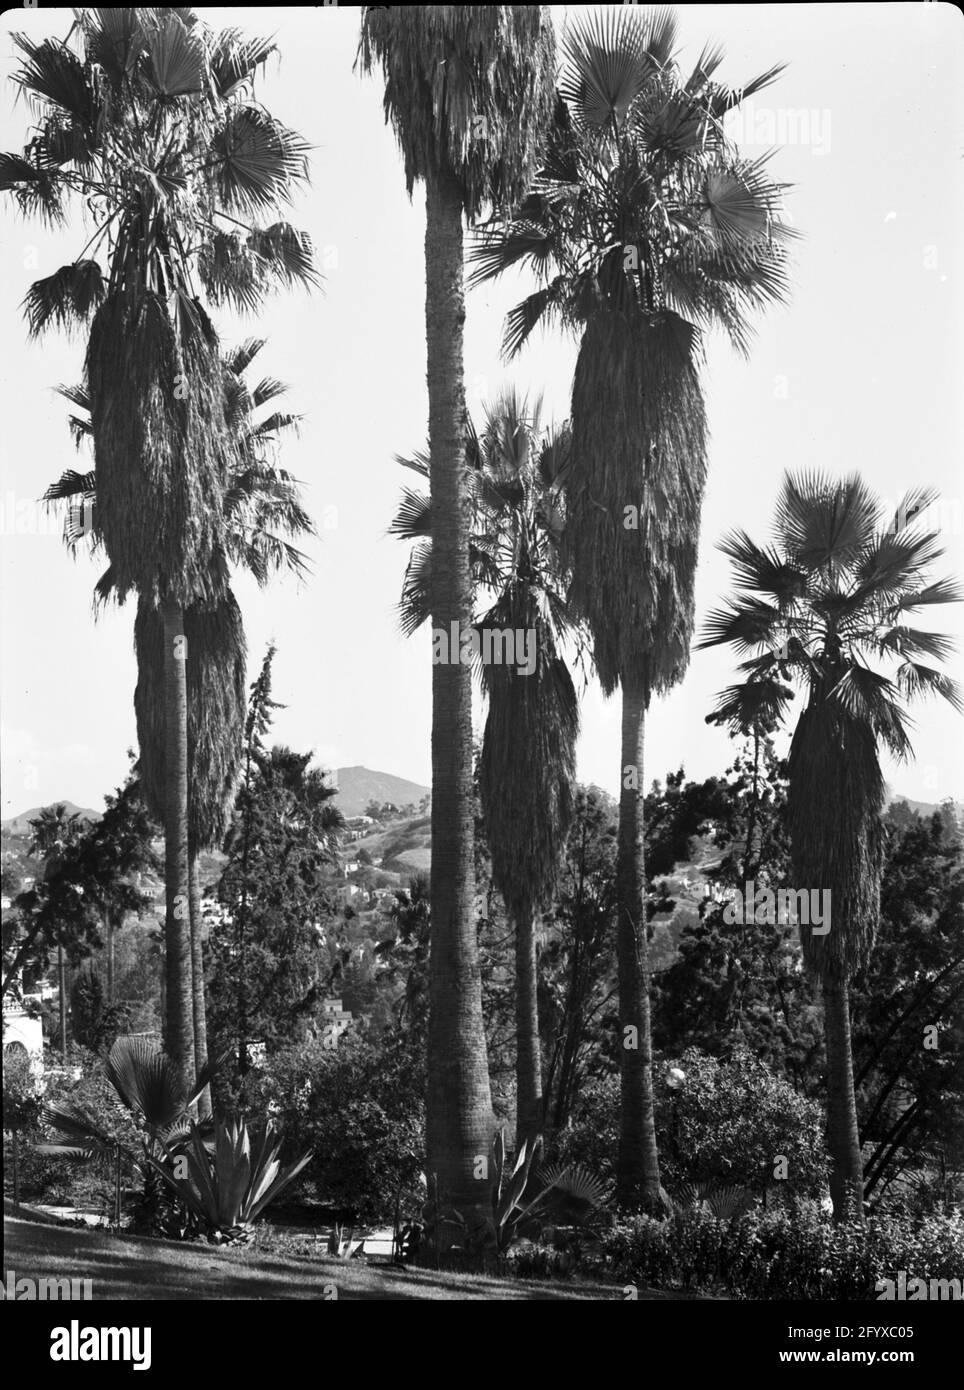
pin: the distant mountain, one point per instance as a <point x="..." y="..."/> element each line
<point x="923" y="808"/>
<point x="357" y="786"/>
<point x="20" y="825"/>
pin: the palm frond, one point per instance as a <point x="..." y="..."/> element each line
<point x="256" y="160"/>
<point x="825" y="522"/>
<point x="757" y="704"/>
<point x="65" y="299"/>
<point x="177" y="61"/>
<point x="71" y="484"/>
<point x="915" y="680"/>
<point x="234" y="60"/>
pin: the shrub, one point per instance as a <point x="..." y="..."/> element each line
<point x="726" y="1122"/>
<point x="359" y="1108"/>
<point x="795" y="1254"/>
<point x="21" y="1109"/>
<point x="45" y="1177"/>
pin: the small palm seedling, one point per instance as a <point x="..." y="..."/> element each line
<point x="722" y="1201"/>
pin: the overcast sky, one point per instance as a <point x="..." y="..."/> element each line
<point x="861" y="371"/>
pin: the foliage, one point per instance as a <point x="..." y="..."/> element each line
<point x="270" y="960"/>
<point x="576" y="984"/>
<point x="359" y="1107"/>
<point x="737" y="983"/>
<point x="794" y="1254"/>
<point x="22" y="1093"/>
<point x="911" y="1095"/>
<point x="94" y="1022"/>
<point x="725" y="1122"/>
<point x="468" y="90"/>
<point x="49" y="1174"/>
<point x="92" y="870"/>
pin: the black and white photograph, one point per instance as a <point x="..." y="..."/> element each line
<point x="482" y="545"/>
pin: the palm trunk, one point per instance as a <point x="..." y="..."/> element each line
<point x="62" y="993"/>
<point x="179" y="1013"/>
<point x="197" y="977"/>
<point x="528" y="1062"/>
<point x="843" y="1134"/>
<point x="637" y="1168"/>
<point x="459" y="1120"/>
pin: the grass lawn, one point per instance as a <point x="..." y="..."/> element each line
<point x="130" y="1267"/>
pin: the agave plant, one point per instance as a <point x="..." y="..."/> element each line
<point x="229" y="1183"/>
<point x="524" y="1200"/>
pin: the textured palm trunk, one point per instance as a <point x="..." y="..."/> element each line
<point x="179" y="1013"/>
<point x="62" y="993"/>
<point x="197" y="976"/>
<point x="843" y="1133"/>
<point x="637" y="1168"/>
<point x="459" y="1121"/>
<point x="528" y="1062"/>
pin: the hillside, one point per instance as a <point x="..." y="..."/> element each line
<point x="357" y="786"/>
<point x="404" y="846"/>
<point x="924" y="808"/>
<point x="20" y="825"/>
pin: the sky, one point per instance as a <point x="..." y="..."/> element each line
<point x="860" y="371"/>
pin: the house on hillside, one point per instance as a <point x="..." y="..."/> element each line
<point x="334" y="1022"/>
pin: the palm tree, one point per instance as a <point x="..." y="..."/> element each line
<point x="645" y="228"/>
<point x="262" y="516"/>
<point x="468" y="92"/>
<point x="822" y="607"/>
<point x="527" y="763"/>
<point x="153" y="124"/>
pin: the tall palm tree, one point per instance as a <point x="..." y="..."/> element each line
<point x="527" y="765"/>
<point x="468" y="92"/>
<point x="824" y="608"/>
<point x="262" y="516"/>
<point x="152" y="123"/>
<point x="645" y="228"/>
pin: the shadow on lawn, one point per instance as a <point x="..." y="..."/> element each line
<point x="137" y="1268"/>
